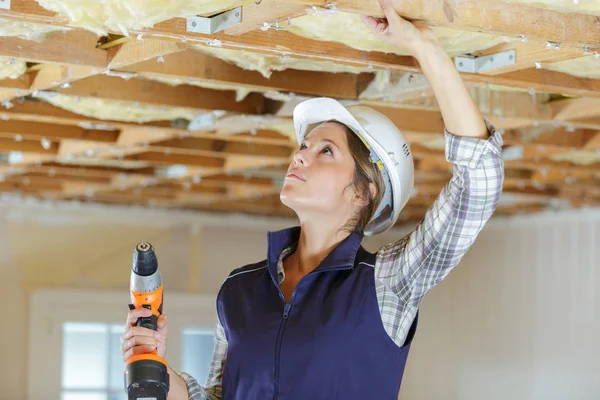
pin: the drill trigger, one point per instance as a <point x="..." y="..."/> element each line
<point x="131" y="307"/>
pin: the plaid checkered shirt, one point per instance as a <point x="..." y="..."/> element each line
<point x="407" y="269"/>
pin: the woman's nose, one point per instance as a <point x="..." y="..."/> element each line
<point x="300" y="158"/>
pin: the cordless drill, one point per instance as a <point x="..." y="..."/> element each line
<point x="146" y="375"/>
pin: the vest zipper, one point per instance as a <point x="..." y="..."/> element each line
<point x="286" y="313"/>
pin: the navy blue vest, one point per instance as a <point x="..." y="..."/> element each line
<point x="327" y="343"/>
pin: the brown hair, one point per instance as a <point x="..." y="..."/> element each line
<point x="365" y="173"/>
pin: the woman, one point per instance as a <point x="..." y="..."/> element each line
<point x="322" y="318"/>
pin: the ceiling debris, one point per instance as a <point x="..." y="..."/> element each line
<point x="12" y="68"/>
<point x="102" y="16"/>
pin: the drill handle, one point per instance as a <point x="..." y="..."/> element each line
<point x="150" y="322"/>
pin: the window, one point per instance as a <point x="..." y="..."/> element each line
<point x="92" y="367"/>
<point x="196" y="351"/>
<point x="88" y="343"/>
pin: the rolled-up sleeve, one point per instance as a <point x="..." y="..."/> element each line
<point x="212" y="390"/>
<point x="407" y="269"/>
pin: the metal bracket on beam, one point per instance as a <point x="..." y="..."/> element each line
<point x="5" y="4"/>
<point x="483" y="63"/>
<point x="214" y="23"/>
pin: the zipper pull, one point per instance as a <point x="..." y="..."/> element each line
<point x="286" y="310"/>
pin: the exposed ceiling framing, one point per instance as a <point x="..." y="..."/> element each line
<point x="235" y="157"/>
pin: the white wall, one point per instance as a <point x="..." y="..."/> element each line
<point x="517" y="319"/>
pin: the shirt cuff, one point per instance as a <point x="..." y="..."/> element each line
<point x="468" y="151"/>
<point x="193" y="387"/>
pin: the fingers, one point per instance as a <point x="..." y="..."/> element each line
<point x="162" y="322"/>
<point x="133" y="351"/>
<point x="138" y="340"/>
<point x="377" y="25"/>
<point x="133" y="315"/>
<point x="139" y="331"/>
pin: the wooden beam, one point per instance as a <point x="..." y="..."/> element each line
<point x="542" y="81"/>
<point x="160" y="158"/>
<point x="195" y="65"/>
<point x="488" y="16"/>
<point x="149" y="92"/>
<point x="529" y="53"/>
<point x="493" y="16"/>
<point x="223" y="147"/>
<point x="39" y="130"/>
<point x="265" y="13"/>
<point x="71" y="47"/>
<point x="29" y="146"/>
<point x="575" y="108"/>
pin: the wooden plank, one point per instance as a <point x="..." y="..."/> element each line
<point x="198" y="66"/>
<point x="263" y="13"/>
<point x="28" y="146"/>
<point x="575" y="108"/>
<point x="282" y="42"/>
<point x="542" y="81"/>
<point x="72" y="47"/>
<point x="135" y="51"/>
<point x="144" y="91"/>
<point x="529" y="53"/>
<point x="223" y="147"/>
<point x="160" y="158"/>
<point x="33" y="130"/>
<point x="487" y="16"/>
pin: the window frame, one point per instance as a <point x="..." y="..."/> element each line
<point x="50" y="308"/>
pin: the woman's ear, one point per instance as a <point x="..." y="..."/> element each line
<point x="362" y="199"/>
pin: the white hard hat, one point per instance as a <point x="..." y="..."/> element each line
<point x="384" y="140"/>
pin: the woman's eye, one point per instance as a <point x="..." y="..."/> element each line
<point x="302" y="146"/>
<point x="327" y="150"/>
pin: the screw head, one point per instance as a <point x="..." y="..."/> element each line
<point x="194" y="24"/>
<point x="460" y="64"/>
<point x="492" y="59"/>
<point x="510" y="56"/>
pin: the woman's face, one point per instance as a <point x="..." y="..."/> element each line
<point x="321" y="170"/>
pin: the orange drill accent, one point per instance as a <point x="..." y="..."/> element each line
<point x="155" y="299"/>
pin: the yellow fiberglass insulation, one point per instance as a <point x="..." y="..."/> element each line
<point x="11" y="68"/>
<point x="101" y="16"/>
<point x="117" y="110"/>
<point x="27" y="30"/>
<point x="347" y="28"/>
<point x="266" y="64"/>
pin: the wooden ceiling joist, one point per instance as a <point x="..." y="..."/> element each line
<point x="531" y="22"/>
<point x="49" y="152"/>
<point x="195" y="65"/>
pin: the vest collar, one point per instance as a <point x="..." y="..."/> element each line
<point x="343" y="255"/>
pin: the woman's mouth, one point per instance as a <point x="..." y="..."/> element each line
<point x="295" y="175"/>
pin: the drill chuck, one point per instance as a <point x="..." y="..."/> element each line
<point x="145" y="262"/>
